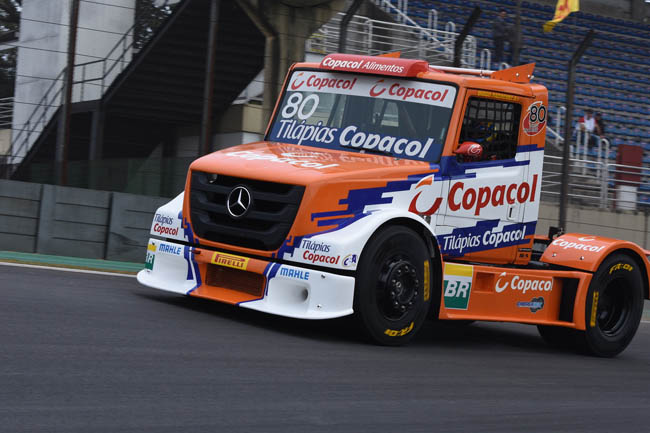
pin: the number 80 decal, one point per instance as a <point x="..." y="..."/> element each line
<point x="295" y="104"/>
<point x="535" y="119"/>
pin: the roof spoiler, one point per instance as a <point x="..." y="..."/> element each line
<point x="516" y="74"/>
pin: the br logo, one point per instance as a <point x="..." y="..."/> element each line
<point x="457" y="286"/>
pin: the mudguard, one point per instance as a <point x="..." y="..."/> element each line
<point x="587" y="252"/>
<point x="342" y="248"/>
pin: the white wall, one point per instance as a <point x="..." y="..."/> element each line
<point x="44" y="42"/>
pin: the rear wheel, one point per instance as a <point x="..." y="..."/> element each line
<point x="392" y="292"/>
<point x="614" y="306"/>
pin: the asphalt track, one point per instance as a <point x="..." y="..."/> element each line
<point x="96" y="353"/>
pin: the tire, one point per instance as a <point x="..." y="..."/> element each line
<point x="389" y="295"/>
<point x="614" y="306"/>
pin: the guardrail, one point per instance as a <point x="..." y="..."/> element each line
<point x="372" y="37"/>
<point x="598" y="183"/>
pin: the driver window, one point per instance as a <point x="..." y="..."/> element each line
<point x="492" y="124"/>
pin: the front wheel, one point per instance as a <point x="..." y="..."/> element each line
<point x="614" y="306"/>
<point x="393" y="287"/>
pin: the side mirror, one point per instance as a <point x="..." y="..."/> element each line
<point x="470" y="150"/>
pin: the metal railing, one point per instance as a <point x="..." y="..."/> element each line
<point x="90" y="82"/>
<point x="599" y="183"/>
<point x="373" y="37"/>
<point x="6" y="112"/>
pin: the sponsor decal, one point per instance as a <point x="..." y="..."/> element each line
<point x="230" y="261"/>
<point x="594" y="310"/>
<point x="400" y="332"/>
<point x="351" y="137"/>
<point x="318" y="83"/>
<point x="285" y="158"/>
<point x="359" y="85"/>
<point x="578" y="246"/>
<point x="414" y="208"/>
<point x="522" y="283"/>
<point x="535" y="304"/>
<point x="350" y="260"/>
<point x="427" y="282"/>
<point x="175" y="250"/>
<point x="407" y="91"/>
<point x="475" y="149"/>
<point x="484" y="236"/>
<point x="298" y="274"/>
<point x="624" y="266"/>
<point x="164" y="219"/>
<point x="294" y="132"/>
<point x="477" y="199"/>
<point x="320" y="258"/>
<point x="457" y="285"/>
<point x="364" y="65"/>
<point x="315" y="246"/>
<point x="161" y="225"/>
<point x="294" y="126"/>
<point x="535" y="119"/>
<point x="151" y="256"/>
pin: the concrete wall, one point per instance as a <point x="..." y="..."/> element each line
<point x="629" y="226"/>
<point x="115" y="226"/>
<point x="19" y="215"/>
<point x="65" y="221"/>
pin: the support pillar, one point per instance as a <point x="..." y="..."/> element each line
<point x="63" y="132"/>
<point x="205" y="143"/>
<point x="568" y="120"/>
<point x="96" y="149"/>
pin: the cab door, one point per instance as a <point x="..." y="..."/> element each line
<point x="487" y="192"/>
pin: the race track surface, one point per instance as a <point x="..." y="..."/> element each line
<point x="95" y="353"/>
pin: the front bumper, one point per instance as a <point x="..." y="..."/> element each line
<point x="274" y="288"/>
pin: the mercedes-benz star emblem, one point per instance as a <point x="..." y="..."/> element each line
<point x="239" y="201"/>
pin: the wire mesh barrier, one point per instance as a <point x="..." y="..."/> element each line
<point x="373" y="37"/>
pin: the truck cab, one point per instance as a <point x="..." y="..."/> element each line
<point x="386" y="188"/>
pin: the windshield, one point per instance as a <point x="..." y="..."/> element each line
<point x="365" y="113"/>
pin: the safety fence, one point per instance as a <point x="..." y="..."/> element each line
<point x="598" y="183"/>
<point x="372" y="37"/>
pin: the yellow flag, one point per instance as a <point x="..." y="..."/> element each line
<point x="562" y="10"/>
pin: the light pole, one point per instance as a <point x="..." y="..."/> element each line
<point x="516" y="42"/>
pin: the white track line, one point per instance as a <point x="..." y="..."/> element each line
<point x="81" y="271"/>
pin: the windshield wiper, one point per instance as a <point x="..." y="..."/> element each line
<point x="378" y="152"/>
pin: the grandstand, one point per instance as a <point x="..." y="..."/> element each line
<point x="612" y="77"/>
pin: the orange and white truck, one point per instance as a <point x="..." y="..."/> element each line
<point x="396" y="191"/>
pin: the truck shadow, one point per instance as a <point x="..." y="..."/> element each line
<point x="433" y="334"/>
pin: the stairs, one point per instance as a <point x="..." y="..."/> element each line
<point x="146" y="99"/>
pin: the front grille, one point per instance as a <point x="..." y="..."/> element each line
<point x="263" y="227"/>
<point x="235" y="279"/>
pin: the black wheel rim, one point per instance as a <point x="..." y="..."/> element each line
<point x="397" y="288"/>
<point x="614" y="305"/>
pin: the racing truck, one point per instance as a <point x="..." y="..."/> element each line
<point x="396" y="191"/>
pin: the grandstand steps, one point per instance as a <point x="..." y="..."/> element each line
<point x="159" y="91"/>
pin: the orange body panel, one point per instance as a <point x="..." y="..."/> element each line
<point x="502" y="294"/>
<point x="206" y="258"/>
